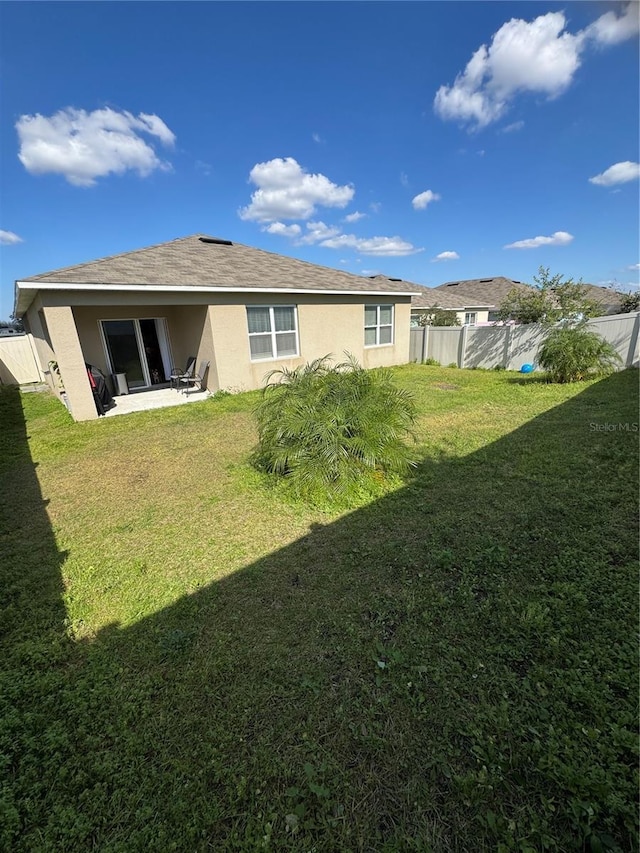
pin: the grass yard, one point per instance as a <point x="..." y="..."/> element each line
<point x="192" y="663"/>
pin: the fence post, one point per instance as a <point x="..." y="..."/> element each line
<point x="633" y="357"/>
<point x="462" y="353"/>
<point x="425" y="343"/>
<point x="507" y="347"/>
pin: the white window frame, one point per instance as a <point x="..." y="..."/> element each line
<point x="469" y="314"/>
<point x="379" y="325"/>
<point x="274" y="349"/>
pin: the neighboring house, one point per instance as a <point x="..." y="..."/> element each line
<point x="607" y="299"/>
<point x="244" y="310"/>
<point x="476" y="301"/>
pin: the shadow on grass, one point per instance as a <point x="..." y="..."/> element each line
<point x="449" y="668"/>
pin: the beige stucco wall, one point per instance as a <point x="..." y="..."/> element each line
<point x="326" y="326"/>
<point x="482" y="315"/>
<point x="213" y="327"/>
<point x="71" y="361"/>
<point x="187" y="326"/>
<point x="43" y="350"/>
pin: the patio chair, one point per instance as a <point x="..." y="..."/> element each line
<point x="177" y="375"/>
<point x="195" y="379"/>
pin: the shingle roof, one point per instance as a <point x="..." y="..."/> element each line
<point x="197" y="262"/>
<point x="491" y="292"/>
<point x="433" y="297"/>
<point x="467" y="293"/>
<point x="481" y="292"/>
<point x="604" y="296"/>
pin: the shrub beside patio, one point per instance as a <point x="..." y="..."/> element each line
<point x="190" y="662"/>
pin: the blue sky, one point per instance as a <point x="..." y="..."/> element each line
<point x="427" y="141"/>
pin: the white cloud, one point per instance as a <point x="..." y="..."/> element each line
<point x="513" y="127"/>
<point x="8" y="238"/>
<point x="355" y="216"/>
<point x="619" y="173"/>
<point x="558" y="238"/>
<point x="317" y="138"/>
<point x="375" y="206"/>
<point x="286" y="191"/>
<point x="377" y="246"/>
<point x="446" y="256"/>
<point x="316" y="232"/>
<point x="404" y="179"/>
<point x="633" y="267"/>
<point x="84" y="146"/>
<point x="282" y="230"/>
<point x="423" y="199"/>
<point x="538" y="57"/>
<point x="611" y="29"/>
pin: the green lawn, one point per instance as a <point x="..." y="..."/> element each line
<point x="191" y="663"/>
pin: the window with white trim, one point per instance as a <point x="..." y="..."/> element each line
<point x="378" y="325"/>
<point x="470" y="318"/>
<point x="273" y="331"/>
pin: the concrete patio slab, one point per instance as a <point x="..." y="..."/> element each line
<point x="160" y="398"/>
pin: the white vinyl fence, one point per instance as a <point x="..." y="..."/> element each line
<point x="18" y="363"/>
<point x="512" y="346"/>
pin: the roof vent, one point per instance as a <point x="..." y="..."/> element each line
<point x="485" y="280"/>
<point x="453" y="284"/>
<point x="516" y="282"/>
<point x="395" y="279"/>
<point x="216" y="241"/>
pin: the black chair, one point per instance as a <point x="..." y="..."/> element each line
<point x="178" y="375"/>
<point x="196" y="380"/>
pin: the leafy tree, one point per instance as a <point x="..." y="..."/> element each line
<point x="629" y="301"/>
<point x="573" y="354"/>
<point x="12" y="323"/>
<point x="438" y="317"/>
<point x="553" y="300"/>
<point x="333" y="432"/>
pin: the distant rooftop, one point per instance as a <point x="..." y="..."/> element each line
<point x="467" y="293"/>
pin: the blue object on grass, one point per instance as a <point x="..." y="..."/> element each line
<point x="526" y="368"/>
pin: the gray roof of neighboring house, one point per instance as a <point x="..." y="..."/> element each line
<point x="491" y="292"/>
<point x="604" y="296"/>
<point x="431" y="297"/>
<point x="467" y="293"/>
<point x="200" y="261"/>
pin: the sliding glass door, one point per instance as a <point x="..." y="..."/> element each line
<point x="139" y="349"/>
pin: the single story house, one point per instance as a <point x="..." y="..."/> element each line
<point x="476" y="301"/>
<point x="244" y="310"/>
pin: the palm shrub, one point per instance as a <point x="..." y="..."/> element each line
<point x="334" y="432"/>
<point x="572" y="354"/>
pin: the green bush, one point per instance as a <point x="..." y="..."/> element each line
<point x="438" y="317"/>
<point x="432" y="361"/>
<point x="333" y="432"/>
<point x="570" y="355"/>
